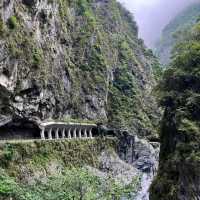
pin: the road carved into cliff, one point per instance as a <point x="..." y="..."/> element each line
<point x="60" y="130"/>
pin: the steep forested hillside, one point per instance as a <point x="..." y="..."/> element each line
<point x="75" y="59"/>
<point x="174" y="31"/>
<point x="179" y="171"/>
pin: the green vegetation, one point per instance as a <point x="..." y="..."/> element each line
<point x="86" y="11"/>
<point x="13" y="22"/>
<point x="22" y="46"/>
<point x="56" y="170"/>
<point x="123" y="99"/>
<point x="1" y="27"/>
<point x="75" y="183"/>
<point x="179" y="171"/>
<point x="90" y="62"/>
<point x="125" y="104"/>
<point x="37" y="57"/>
<point x="72" y="153"/>
<point x="84" y="61"/>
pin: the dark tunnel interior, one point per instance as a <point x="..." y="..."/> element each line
<point x="19" y="130"/>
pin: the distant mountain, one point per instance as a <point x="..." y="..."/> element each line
<point x="174" y="31"/>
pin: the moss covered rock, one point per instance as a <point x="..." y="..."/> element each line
<point x="179" y="171"/>
<point x="77" y="59"/>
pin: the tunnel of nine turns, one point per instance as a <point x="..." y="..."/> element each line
<point x="22" y="130"/>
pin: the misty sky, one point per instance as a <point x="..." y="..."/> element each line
<point x="153" y="15"/>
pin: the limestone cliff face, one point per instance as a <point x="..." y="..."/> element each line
<point x="75" y="59"/>
<point x="80" y="60"/>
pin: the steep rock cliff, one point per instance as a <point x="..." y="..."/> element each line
<point x="79" y="59"/>
<point x="179" y="167"/>
<point x="76" y="60"/>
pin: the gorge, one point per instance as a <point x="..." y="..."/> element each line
<point x="80" y="98"/>
<point x="75" y="62"/>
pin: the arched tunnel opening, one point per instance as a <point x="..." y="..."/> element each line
<point x="46" y="135"/>
<point x="95" y="132"/>
<point x="53" y="134"/>
<point x="111" y="133"/>
<point x="18" y="130"/>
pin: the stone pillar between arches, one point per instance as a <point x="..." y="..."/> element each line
<point x="69" y="134"/>
<point x="50" y="134"/>
<point x="57" y="135"/>
<point x="90" y="133"/>
<point x="63" y="133"/>
<point x="85" y="133"/>
<point x="74" y="133"/>
<point x="42" y="133"/>
<point x="79" y="133"/>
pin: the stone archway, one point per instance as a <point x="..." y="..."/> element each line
<point x="18" y="130"/>
<point x="59" y="130"/>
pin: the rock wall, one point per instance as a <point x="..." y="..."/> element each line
<point x="179" y="91"/>
<point x="81" y="60"/>
<point x="75" y="59"/>
<point x="144" y="157"/>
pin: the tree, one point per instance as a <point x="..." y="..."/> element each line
<point x="179" y="91"/>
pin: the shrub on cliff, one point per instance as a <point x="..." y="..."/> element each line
<point x="1" y="27"/>
<point x="179" y="171"/>
<point x="12" y="22"/>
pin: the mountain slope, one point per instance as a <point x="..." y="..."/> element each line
<point x="80" y="60"/>
<point x="173" y="31"/>
<point x="179" y="167"/>
<point x="75" y="61"/>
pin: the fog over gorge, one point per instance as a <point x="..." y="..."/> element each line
<point x="153" y="15"/>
